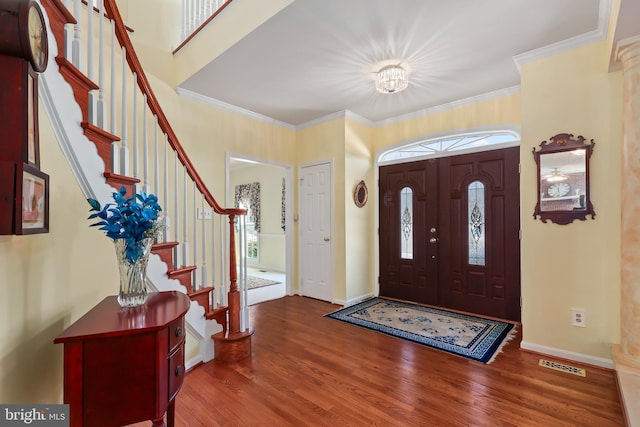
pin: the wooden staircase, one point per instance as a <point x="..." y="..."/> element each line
<point x="234" y="341"/>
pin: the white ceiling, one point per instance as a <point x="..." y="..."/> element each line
<point x="318" y="57"/>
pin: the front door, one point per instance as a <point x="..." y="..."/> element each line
<point x="460" y="215"/>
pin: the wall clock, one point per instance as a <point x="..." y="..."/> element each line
<point x="23" y="33"/>
<point x="558" y="189"/>
<point x="24" y="52"/>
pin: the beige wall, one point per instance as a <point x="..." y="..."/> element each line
<point x="577" y="265"/>
<point x="48" y="282"/>
<point x="359" y="228"/>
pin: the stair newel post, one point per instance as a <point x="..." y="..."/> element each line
<point x="242" y="278"/>
<point x="115" y="149"/>
<point x="234" y="295"/>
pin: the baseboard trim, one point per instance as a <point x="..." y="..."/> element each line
<point x="569" y="355"/>
<point x="352" y="301"/>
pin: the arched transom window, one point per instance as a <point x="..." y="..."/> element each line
<point x="452" y="144"/>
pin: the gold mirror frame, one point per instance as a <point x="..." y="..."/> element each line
<point x="360" y="194"/>
<point x="563" y="179"/>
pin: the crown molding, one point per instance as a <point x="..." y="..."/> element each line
<point x="451" y="105"/>
<point x="596" y="35"/>
<point x="185" y="93"/>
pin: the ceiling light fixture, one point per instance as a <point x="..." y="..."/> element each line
<point x="391" y="79"/>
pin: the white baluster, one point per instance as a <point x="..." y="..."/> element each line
<point x="124" y="150"/>
<point x="203" y="268"/>
<point x="156" y="177"/>
<point x="76" y="45"/>
<point x="165" y="173"/>
<point x="176" y="218"/>
<point x="134" y="120"/>
<point x="185" y="19"/>
<point x="195" y="235"/>
<point x="145" y="148"/>
<point x="102" y="109"/>
<point x="216" y="291"/>
<point x="185" y="220"/>
<point x="93" y="100"/>
<point x="115" y="148"/>
<point x="68" y="36"/>
<point x="224" y="223"/>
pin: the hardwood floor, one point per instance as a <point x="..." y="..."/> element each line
<point x="309" y="370"/>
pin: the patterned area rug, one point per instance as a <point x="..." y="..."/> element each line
<point x="258" y="282"/>
<point x="468" y="336"/>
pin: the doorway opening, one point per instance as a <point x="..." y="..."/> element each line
<point x="264" y="189"/>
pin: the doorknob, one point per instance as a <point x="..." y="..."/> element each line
<point x="433" y="240"/>
<point x="327" y="238"/>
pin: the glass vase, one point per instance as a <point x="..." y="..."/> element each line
<point x="133" y="274"/>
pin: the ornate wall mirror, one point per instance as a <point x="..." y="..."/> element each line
<point x="563" y="179"/>
<point x="360" y="194"/>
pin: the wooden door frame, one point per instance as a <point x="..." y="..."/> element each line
<point x="288" y="197"/>
<point x="328" y="162"/>
<point x="376" y="178"/>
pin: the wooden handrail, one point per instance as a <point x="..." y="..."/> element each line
<point x="204" y="24"/>
<point x="144" y="85"/>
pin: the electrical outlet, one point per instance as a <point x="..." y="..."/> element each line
<point x="207" y="213"/>
<point x="578" y="317"/>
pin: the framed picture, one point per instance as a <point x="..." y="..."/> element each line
<point x="32" y="209"/>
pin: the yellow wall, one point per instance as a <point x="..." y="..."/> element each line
<point x="577" y="265"/>
<point x="48" y="282"/>
<point x="359" y="228"/>
<point x="326" y="142"/>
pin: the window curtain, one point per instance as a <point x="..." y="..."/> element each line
<point x="249" y="195"/>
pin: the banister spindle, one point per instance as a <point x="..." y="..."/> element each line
<point x="115" y="148"/>
<point x="195" y="234"/>
<point x="176" y="216"/>
<point x="101" y="120"/>
<point x="165" y="173"/>
<point x="203" y="267"/>
<point x="124" y="150"/>
<point x="76" y="44"/>
<point x="134" y="120"/>
<point x="216" y="288"/>
<point x="156" y="176"/>
<point x="93" y="101"/>
<point x="145" y="148"/>
<point x="223" y="264"/>
<point x="185" y="219"/>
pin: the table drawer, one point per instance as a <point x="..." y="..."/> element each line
<point x="176" y="334"/>
<point x="176" y="371"/>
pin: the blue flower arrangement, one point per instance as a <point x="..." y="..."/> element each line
<point x="132" y="219"/>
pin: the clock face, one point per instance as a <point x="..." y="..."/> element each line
<point x="37" y="39"/>
<point x="558" y="189"/>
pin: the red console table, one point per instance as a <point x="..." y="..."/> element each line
<point x="125" y="365"/>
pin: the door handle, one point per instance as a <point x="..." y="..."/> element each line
<point x="327" y="238"/>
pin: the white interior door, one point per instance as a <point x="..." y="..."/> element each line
<point x="315" y="232"/>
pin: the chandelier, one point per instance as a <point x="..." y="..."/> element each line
<point x="391" y="79"/>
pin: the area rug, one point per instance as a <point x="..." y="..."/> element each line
<point x="258" y="282"/>
<point x="472" y="337"/>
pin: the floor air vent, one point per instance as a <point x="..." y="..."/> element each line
<point x="562" y="368"/>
